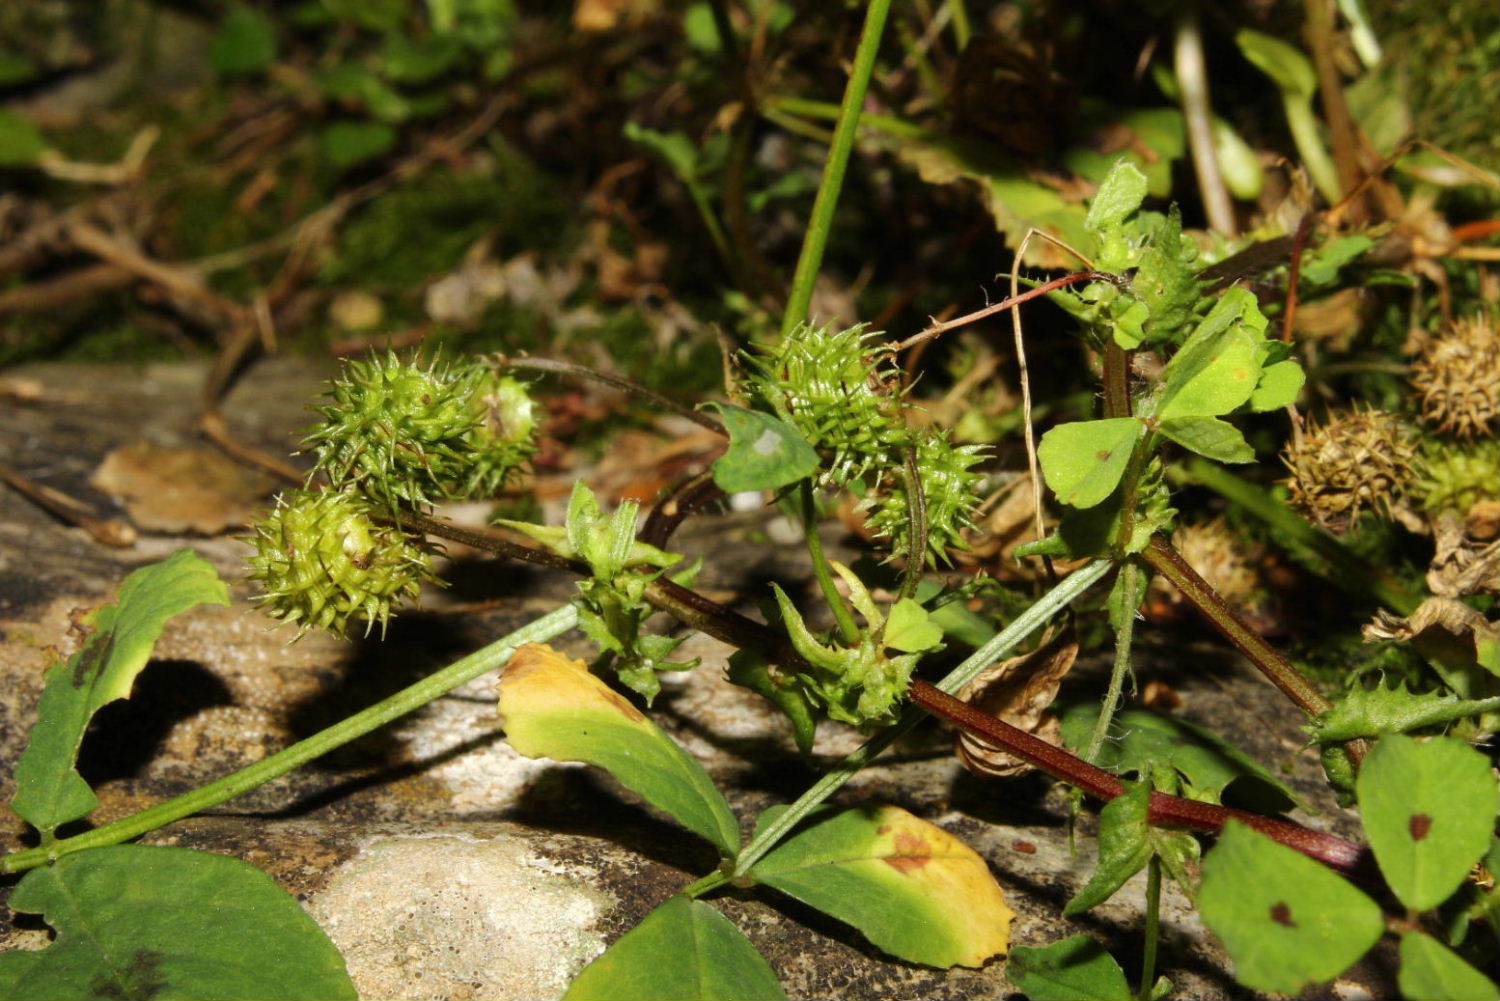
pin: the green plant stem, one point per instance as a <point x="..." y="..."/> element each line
<point x="414" y="697"/>
<point x="962" y="30"/>
<point x="916" y="507"/>
<point x="816" y="240"/>
<point x="1306" y="542"/>
<point x="1126" y="583"/>
<point x="1028" y="622"/>
<point x="1153" y="928"/>
<point x="841" y="614"/>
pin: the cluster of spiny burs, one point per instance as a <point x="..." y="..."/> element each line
<point x="1444" y="469"/>
<point x="396" y="437"/>
<point x="842" y="391"/>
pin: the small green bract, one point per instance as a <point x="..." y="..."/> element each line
<point x="322" y="560"/>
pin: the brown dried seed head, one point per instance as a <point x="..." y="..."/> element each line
<point x="1457" y="378"/>
<point x="1360" y="461"/>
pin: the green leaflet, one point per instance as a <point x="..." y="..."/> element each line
<point x="1217" y="368"/>
<point x="1429" y="811"/>
<point x="143" y="922"/>
<point x="1075" y="969"/>
<point x="685" y="950"/>
<point x="1430" y="971"/>
<point x="49" y="790"/>
<point x="553" y="707"/>
<point x="1120" y="194"/>
<point x="1209" y="436"/>
<point x="1285" y="920"/>
<point x="1083" y="461"/>
<point x="910" y="629"/>
<point x="911" y="888"/>
<point x="765" y="452"/>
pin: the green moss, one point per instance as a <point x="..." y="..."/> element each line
<point x="424" y="228"/>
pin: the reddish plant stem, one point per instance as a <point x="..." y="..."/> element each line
<point x="1168" y="811"/>
<point x="1169" y="563"/>
<point x="726" y="624"/>
<point x="1165" y="560"/>
<point x="1116" y="380"/>
<point x="676" y="506"/>
<point x="1294" y="277"/>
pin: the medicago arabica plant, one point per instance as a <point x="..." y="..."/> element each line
<point x="822" y="411"/>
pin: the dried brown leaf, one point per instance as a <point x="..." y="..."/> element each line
<point x="1017" y="691"/>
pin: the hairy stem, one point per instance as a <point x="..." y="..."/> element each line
<point x="1127" y="585"/>
<point x="458" y="673"/>
<point x="1169" y="563"/>
<point x="818" y="227"/>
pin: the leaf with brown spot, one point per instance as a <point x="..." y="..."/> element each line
<point x="553" y="707"/>
<point x="1429" y="811"/>
<point x="1017" y="691"/>
<point x="910" y="887"/>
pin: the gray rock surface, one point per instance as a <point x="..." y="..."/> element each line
<point x="444" y="864"/>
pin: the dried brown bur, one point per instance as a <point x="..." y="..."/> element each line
<point x="1359" y="461"/>
<point x="1457" y="378"/>
<point x="1017" y="691"/>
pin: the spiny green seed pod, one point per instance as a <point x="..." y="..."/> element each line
<point x="1456" y="477"/>
<point x="1457" y="378"/>
<point x="948" y="495"/>
<point x="841" y="392"/>
<point x="503" y="439"/>
<point x="399" y="432"/>
<point x="322" y="560"/>
<point x="1360" y="461"/>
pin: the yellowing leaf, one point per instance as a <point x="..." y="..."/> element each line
<point x="553" y="707"/>
<point x="911" y="888"/>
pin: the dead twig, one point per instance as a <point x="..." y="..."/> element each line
<point x="71" y="511"/>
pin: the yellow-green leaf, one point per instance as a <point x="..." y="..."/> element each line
<point x="553" y="707"/>
<point x="911" y="888"/>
